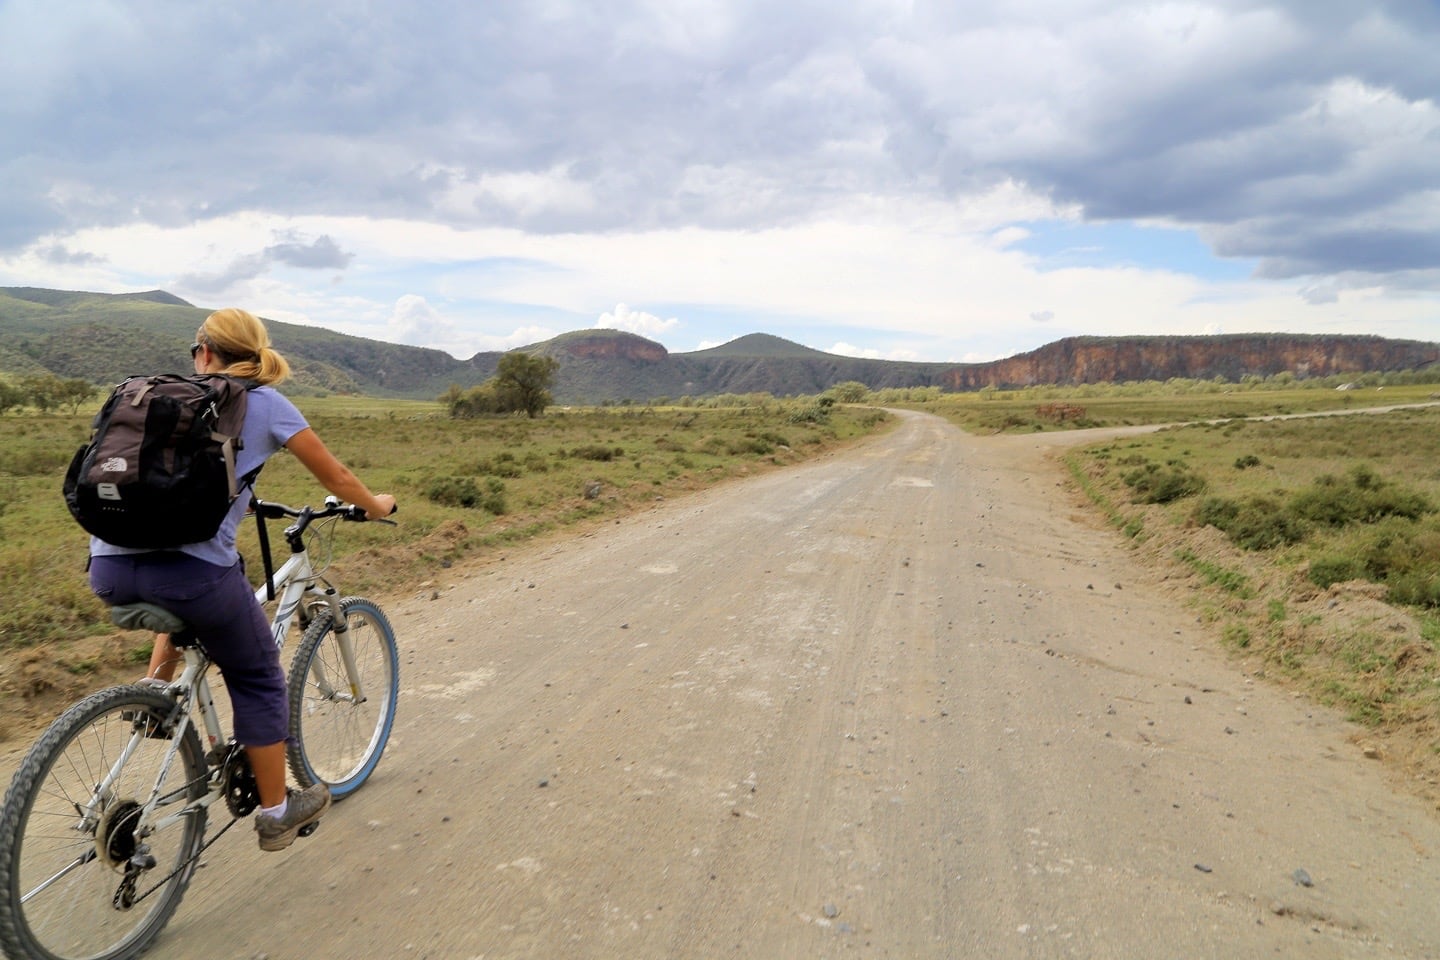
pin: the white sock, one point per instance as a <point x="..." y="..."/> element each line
<point x="278" y="810"/>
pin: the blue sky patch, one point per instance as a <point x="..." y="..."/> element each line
<point x="1058" y="245"/>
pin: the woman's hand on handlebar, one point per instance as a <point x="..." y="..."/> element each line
<point x="386" y="504"/>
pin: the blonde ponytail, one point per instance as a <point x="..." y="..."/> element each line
<point x="243" y="343"/>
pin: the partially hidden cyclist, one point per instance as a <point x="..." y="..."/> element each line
<point x="205" y="584"/>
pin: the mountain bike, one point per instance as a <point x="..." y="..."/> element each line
<point x="104" y="823"/>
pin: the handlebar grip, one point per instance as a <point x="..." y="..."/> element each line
<point x="354" y="512"/>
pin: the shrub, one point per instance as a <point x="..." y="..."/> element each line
<point x="494" y="499"/>
<point x="817" y="413"/>
<point x="1217" y="512"/>
<point x="453" y="491"/>
<point x="502" y="465"/>
<point x="597" y="452"/>
<point x="465" y="492"/>
<point x="754" y="445"/>
<point x="1247" y="461"/>
<point x="1152" y="484"/>
<point x="1420" y="588"/>
<point x="1256" y="523"/>
<point x="1362" y="497"/>
<point x="1335" y="569"/>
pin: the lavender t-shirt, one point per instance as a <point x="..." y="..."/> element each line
<point x="270" y="421"/>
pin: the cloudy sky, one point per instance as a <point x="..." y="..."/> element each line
<point x="904" y="179"/>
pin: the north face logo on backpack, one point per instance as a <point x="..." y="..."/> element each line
<point x="114" y="465"/>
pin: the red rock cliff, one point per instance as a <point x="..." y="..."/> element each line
<point x="612" y="345"/>
<point x="1078" y="360"/>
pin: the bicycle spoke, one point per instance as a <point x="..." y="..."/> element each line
<point x="342" y="698"/>
<point x="72" y="845"/>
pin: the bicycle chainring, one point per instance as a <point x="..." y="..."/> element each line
<point x="242" y="796"/>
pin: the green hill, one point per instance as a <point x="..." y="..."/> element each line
<point x="105" y="337"/>
<point x="761" y="346"/>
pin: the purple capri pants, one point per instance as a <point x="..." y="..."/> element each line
<point x="220" y="606"/>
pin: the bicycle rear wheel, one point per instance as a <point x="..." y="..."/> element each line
<point x="65" y="891"/>
<point x="343" y="689"/>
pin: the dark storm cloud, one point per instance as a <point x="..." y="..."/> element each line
<point x="1285" y="131"/>
<point x="323" y="253"/>
<point x="64" y="256"/>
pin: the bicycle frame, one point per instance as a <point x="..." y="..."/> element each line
<point x="290" y="585"/>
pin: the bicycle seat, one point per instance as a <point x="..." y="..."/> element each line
<point x="146" y="616"/>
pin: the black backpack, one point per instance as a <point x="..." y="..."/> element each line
<point x="159" y="470"/>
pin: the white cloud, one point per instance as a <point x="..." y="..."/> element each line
<point x="415" y="322"/>
<point x="928" y="283"/>
<point x="871" y="353"/>
<point x="850" y="350"/>
<point x="636" y="321"/>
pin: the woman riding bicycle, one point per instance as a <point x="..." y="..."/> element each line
<point x="205" y="585"/>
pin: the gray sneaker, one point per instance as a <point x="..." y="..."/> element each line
<point x="304" y="808"/>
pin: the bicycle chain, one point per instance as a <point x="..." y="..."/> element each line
<point x="192" y="859"/>
<point x="210" y="771"/>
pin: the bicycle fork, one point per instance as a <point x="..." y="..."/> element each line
<point x="346" y="645"/>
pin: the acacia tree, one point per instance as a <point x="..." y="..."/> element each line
<point x="11" y="396"/>
<point x="522" y="382"/>
<point x="74" y="392"/>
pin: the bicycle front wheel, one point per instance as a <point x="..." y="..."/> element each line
<point x="79" y="875"/>
<point x="344" y="684"/>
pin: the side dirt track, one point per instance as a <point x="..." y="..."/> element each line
<point x="906" y="701"/>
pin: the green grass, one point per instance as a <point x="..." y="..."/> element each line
<point x="1118" y="405"/>
<point x="1345" y="497"/>
<point x="1303" y="503"/>
<point x="529" y="476"/>
<point x="1231" y="581"/>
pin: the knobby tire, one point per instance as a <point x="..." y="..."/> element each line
<point x="335" y="739"/>
<point x="42" y="835"/>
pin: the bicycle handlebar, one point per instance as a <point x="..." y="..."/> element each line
<point x="306" y="515"/>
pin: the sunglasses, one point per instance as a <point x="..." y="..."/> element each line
<point x="195" y="349"/>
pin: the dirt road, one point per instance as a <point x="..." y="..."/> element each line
<point x="904" y="702"/>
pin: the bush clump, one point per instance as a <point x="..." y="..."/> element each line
<point x="1155" y="484"/>
<point x="597" y="452"/>
<point x="1255" y="523"/>
<point x="1360" y="497"/>
<point x="1405" y="558"/>
<point x="814" y="413"/>
<point x="1334" y="569"/>
<point x="453" y="491"/>
<point x="758" y="446"/>
<point x="465" y="492"/>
